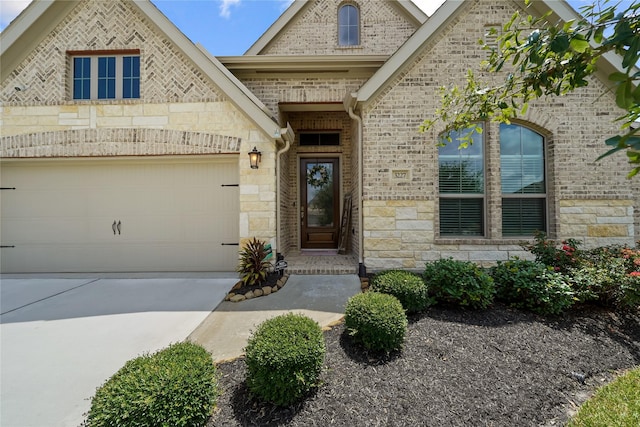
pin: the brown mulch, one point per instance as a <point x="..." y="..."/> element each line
<point x="499" y="367"/>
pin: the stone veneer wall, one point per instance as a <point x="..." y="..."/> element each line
<point x="588" y="200"/>
<point x="383" y="29"/>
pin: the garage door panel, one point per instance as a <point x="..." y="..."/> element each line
<point x="56" y="230"/>
<point x="174" y="215"/>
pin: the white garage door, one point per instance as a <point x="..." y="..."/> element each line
<point x="168" y="214"/>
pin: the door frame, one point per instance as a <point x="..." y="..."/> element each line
<point x="338" y="208"/>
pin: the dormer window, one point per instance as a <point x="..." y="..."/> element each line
<point x="348" y="25"/>
<point x="105" y="74"/>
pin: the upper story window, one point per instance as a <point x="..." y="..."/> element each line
<point x="348" y="25"/>
<point x="105" y="74"/>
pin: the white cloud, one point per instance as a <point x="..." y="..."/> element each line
<point x="428" y="6"/>
<point x="9" y="9"/>
<point x="225" y="7"/>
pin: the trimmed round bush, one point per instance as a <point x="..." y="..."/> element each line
<point x="376" y="320"/>
<point x="461" y="283"/>
<point x="532" y="286"/>
<point x="284" y="358"/>
<point x="408" y="287"/>
<point x="177" y="386"/>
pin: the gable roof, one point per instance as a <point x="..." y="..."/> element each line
<point x="410" y="10"/>
<point x="407" y="53"/>
<point x="41" y="17"/>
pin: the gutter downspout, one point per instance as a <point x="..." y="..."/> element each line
<point x="287" y="135"/>
<point x="362" y="271"/>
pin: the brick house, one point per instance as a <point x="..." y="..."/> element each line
<point x="124" y="145"/>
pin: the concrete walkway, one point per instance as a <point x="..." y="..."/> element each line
<point x="62" y="336"/>
<point x="225" y="331"/>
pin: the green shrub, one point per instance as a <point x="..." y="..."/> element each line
<point x="459" y="282"/>
<point x="376" y="320"/>
<point x="284" y="358"/>
<point x="409" y="288"/>
<point x="177" y="386"/>
<point x="560" y="259"/>
<point x="532" y="286"/>
<point x="605" y="278"/>
<point x="253" y="267"/>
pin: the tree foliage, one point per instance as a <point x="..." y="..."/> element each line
<point x="543" y="58"/>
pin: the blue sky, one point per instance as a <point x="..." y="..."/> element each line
<point x="223" y="27"/>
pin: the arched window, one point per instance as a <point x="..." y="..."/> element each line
<point x="522" y="172"/>
<point x="348" y="25"/>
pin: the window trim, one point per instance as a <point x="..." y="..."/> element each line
<point x="518" y="196"/>
<point x="484" y="196"/>
<point x="358" y="25"/>
<point x="94" y="56"/>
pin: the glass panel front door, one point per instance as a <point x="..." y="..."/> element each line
<point x="320" y="203"/>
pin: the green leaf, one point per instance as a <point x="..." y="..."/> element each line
<point x="631" y="57"/>
<point x="613" y="141"/>
<point x="579" y="45"/>
<point x="598" y="36"/>
<point x="559" y="44"/>
<point x="618" y="77"/>
<point x="624" y="97"/>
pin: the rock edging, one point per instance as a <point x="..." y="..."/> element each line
<point x="257" y="292"/>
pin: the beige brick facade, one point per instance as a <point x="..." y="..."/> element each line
<point x="182" y="112"/>
<point x="383" y="29"/>
<point x="588" y="200"/>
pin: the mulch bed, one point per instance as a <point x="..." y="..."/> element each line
<point x="499" y="367"/>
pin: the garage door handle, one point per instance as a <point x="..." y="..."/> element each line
<point x="113" y="227"/>
<point x="119" y="224"/>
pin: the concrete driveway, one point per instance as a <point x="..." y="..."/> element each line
<point x="62" y="337"/>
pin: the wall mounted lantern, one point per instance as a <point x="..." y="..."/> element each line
<point x="254" y="158"/>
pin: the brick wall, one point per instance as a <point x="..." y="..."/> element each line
<point x="401" y="165"/>
<point x="289" y="192"/>
<point x="166" y="74"/>
<point x="273" y="91"/>
<point x="383" y="28"/>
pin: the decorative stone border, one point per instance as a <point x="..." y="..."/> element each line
<point x="259" y="292"/>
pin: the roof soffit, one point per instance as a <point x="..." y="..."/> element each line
<point x="343" y="66"/>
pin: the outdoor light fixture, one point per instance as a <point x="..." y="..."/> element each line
<point x="254" y="158"/>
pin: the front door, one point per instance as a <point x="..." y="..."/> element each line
<point x="320" y="203"/>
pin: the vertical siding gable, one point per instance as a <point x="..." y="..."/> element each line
<point x="166" y="74"/>
<point x="383" y="28"/>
